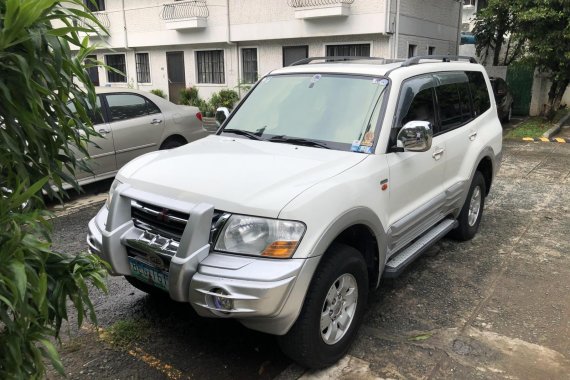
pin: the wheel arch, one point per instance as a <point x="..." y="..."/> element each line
<point x="173" y="137"/>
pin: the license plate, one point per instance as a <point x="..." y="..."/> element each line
<point x="149" y="274"/>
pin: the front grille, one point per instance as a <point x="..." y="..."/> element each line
<point x="166" y="223"/>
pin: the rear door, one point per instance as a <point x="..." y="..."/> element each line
<point x="175" y="73"/>
<point x="137" y="125"/>
<point x="415" y="181"/>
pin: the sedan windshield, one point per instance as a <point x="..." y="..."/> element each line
<point x="320" y="110"/>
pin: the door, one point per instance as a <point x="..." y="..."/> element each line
<point x="175" y="72"/>
<point x="137" y="125"/>
<point x="415" y="182"/>
<point x="293" y="54"/>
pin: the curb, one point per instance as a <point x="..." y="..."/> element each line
<point x="554" y="130"/>
<point x="545" y="139"/>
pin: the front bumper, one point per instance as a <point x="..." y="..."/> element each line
<point x="266" y="294"/>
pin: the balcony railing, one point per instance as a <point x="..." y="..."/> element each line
<point x="184" y="9"/>
<point x="307" y="9"/>
<point x="103" y="19"/>
<point x="317" y="3"/>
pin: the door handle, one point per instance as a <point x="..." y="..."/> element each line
<point x="156" y="121"/>
<point x="437" y="153"/>
<point x="103" y="131"/>
<point x="472" y="136"/>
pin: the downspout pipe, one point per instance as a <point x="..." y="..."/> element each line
<point x="230" y="43"/>
<point x="459" y="23"/>
<point x="397" y="38"/>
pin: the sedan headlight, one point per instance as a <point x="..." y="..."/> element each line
<point x="251" y="235"/>
<point x="116" y="183"/>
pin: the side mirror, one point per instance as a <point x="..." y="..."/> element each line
<point x="222" y="114"/>
<point x="415" y="136"/>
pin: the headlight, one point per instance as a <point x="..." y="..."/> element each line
<point x="250" y="235"/>
<point x="114" y="186"/>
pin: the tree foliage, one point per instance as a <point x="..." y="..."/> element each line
<point x="536" y="31"/>
<point x="45" y="100"/>
<point x="545" y="26"/>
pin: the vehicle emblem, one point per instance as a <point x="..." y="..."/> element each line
<point x="155" y="260"/>
<point x="163" y="215"/>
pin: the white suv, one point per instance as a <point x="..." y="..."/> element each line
<point x="325" y="178"/>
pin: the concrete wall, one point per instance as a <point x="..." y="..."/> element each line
<point x="540" y="89"/>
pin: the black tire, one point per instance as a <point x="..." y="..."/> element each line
<point x="304" y="343"/>
<point x="172" y="142"/>
<point x="465" y="230"/>
<point x="148" y="289"/>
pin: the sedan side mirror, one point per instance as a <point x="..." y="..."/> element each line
<point x="415" y="136"/>
<point x="222" y="114"/>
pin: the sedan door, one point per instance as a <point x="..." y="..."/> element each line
<point x="137" y="125"/>
<point x="101" y="149"/>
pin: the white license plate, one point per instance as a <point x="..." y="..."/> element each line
<point x="149" y="274"/>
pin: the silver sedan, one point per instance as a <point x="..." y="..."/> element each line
<point x="132" y="123"/>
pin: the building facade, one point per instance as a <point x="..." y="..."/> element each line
<point x="217" y="44"/>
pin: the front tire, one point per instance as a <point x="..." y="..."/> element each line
<point x="472" y="211"/>
<point x="332" y="311"/>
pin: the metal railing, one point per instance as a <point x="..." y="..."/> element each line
<point x="316" y="3"/>
<point x="184" y="9"/>
<point x="102" y="17"/>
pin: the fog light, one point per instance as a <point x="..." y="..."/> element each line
<point x="221" y="302"/>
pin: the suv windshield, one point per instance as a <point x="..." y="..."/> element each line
<point x="320" y="110"/>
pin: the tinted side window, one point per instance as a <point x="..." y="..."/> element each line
<point x="415" y="103"/>
<point x="465" y="101"/>
<point x="449" y="106"/>
<point x="479" y="92"/>
<point x="95" y="116"/>
<point x="126" y="106"/>
<point x="152" y="108"/>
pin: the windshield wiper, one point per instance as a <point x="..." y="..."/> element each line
<point x="298" y="141"/>
<point x="241" y="132"/>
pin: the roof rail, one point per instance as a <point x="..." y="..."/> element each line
<point x="443" y="58"/>
<point x="342" y="59"/>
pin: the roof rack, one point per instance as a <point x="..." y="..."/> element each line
<point x="344" y="59"/>
<point x="443" y="58"/>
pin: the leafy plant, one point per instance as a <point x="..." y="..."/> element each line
<point x="45" y="101"/>
<point x="189" y="96"/>
<point x="225" y="98"/>
<point x="158" y="92"/>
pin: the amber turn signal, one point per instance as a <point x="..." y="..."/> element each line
<point x="280" y="249"/>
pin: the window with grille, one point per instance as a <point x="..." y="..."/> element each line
<point x="249" y="65"/>
<point x="210" y="65"/>
<point x="94" y="5"/>
<point x="117" y="62"/>
<point x="352" y="50"/>
<point x="143" y="67"/>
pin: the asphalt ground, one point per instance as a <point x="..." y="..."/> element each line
<point x="496" y="307"/>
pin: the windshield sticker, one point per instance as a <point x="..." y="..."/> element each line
<point x="380" y="81"/>
<point x="315" y="79"/>
<point x="368" y="139"/>
<point x="355" y="147"/>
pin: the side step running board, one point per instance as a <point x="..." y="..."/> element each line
<point x="401" y="260"/>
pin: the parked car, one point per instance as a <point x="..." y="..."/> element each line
<point x="503" y="98"/>
<point x="324" y="179"/>
<point x="132" y="123"/>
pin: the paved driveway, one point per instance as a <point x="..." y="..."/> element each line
<point x="496" y="307"/>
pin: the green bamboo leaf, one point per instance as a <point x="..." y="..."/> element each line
<point x="51" y="354"/>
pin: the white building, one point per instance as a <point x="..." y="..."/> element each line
<point x="216" y="44"/>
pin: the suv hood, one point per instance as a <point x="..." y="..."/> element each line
<point x="236" y="175"/>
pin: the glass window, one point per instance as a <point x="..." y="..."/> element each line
<point x="479" y="92"/>
<point x="143" y="67"/>
<point x="351" y="50"/>
<point x="95" y="116"/>
<point x="126" y="106"/>
<point x="431" y="50"/>
<point x="92" y="71"/>
<point x="249" y="65"/>
<point x="210" y="66"/>
<point x="94" y="5"/>
<point x="335" y="109"/>
<point x="116" y="61"/>
<point x="449" y="106"/>
<point x="412" y="50"/>
<point x="152" y="108"/>
<point x="293" y="54"/>
<point x="465" y="100"/>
